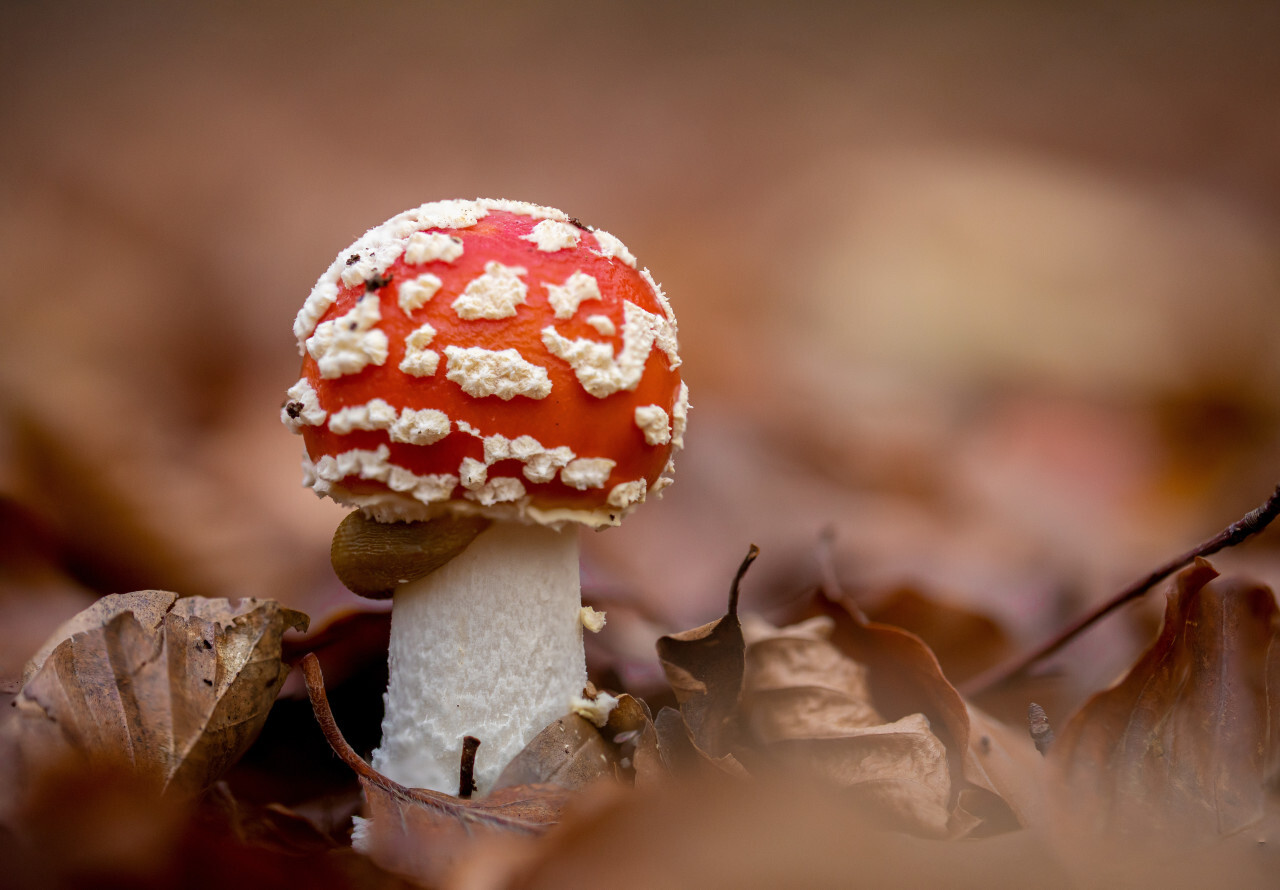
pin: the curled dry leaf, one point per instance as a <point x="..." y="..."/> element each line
<point x="965" y="642"/>
<point x="1179" y="748"/>
<point x="175" y="688"/>
<point x="863" y="705"/>
<point x="570" y="753"/>
<point x="808" y="706"/>
<point x="704" y="667"/>
<point x="147" y="606"/>
<point x="763" y="834"/>
<point x="631" y="729"/>
<point x="422" y="833"/>
<point x="994" y="775"/>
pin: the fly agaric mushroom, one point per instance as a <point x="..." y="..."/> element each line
<point x="491" y="370"/>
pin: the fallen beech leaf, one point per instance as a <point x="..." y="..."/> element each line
<point x="148" y="608"/>
<point x="771" y="832"/>
<point x="1004" y="780"/>
<point x="573" y="752"/>
<point x="176" y="688"/>
<point x="860" y="704"/>
<point x="681" y="756"/>
<point x="421" y="833"/>
<point x="570" y="753"/>
<point x="704" y="667"/>
<point x="808" y="705"/>
<point x="904" y="678"/>
<point x="1179" y="747"/>
<point x="96" y="826"/>
<point x="798" y="684"/>
<point x="964" y="642"/>
<point x="412" y="832"/>
<point x="630" y="728"/>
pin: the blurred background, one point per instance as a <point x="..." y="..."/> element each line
<point x="987" y="293"/>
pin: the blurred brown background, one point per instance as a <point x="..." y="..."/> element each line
<point x="990" y="290"/>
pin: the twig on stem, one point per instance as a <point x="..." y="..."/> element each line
<point x="467" y="769"/>
<point x="1252" y="523"/>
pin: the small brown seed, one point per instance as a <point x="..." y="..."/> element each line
<point x="372" y="559"/>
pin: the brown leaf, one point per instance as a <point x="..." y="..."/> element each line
<point x="904" y="678"/>
<point x="798" y="684"/>
<point x="148" y="608"/>
<point x="96" y="826"/>
<point x="570" y="753"/>
<point x="965" y="642"/>
<point x="573" y="752"/>
<point x="648" y="767"/>
<point x="176" y="688"/>
<point x="704" y="667"/>
<point x="422" y="833"/>
<point x="630" y="728"/>
<point x="679" y="755"/>
<point x="808" y="706"/>
<point x="1179" y="747"/>
<point x="1004" y="780"/>
<point x="862" y="705"/>
<point x="763" y="834"/>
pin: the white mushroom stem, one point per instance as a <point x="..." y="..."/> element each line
<point x="489" y="645"/>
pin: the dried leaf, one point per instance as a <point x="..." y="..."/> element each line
<point x="177" y="690"/>
<point x="862" y="705"/>
<point x="766" y="833"/>
<point x="1179" y="747"/>
<point x="96" y="826"/>
<point x="422" y="833"/>
<point x="808" y="706"/>
<point x="904" y="678"/>
<point x="704" y="667"/>
<point x="570" y="753"/>
<point x="148" y="608"/>
<point x="965" y="642"/>
<point x="798" y="684"/>
<point x="630" y="728"/>
<point x="1004" y="776"/>
<point x="681" y="756"/>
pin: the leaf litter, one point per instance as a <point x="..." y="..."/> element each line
<point x="833" y="722"/>
<point x="1180" y="748"/>
<point x="176" y="689"/>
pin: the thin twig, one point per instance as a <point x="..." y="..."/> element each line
<point x="752" y="552"/>
<point x="1253" y="522"/>
<point x="467" y="769"/>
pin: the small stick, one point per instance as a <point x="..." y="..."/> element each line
<point x="752" y="552"/>
<point x="1038" y="724"/>
<point x="1253" y="522"/>
<point x="467" y="772"/>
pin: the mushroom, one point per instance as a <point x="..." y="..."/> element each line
<point x="480" y="379"/>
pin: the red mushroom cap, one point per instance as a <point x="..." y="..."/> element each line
<point x="488" y="357"/>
